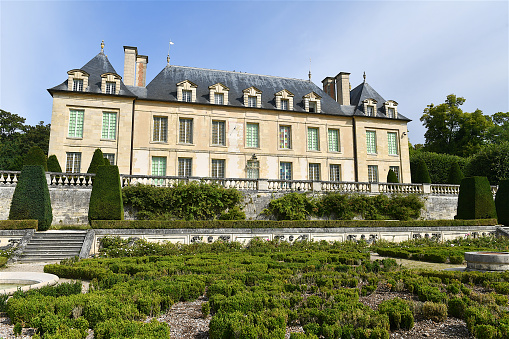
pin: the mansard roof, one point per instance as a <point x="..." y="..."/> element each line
<point x="365" y="91"/>
<point x="95" y="68"/>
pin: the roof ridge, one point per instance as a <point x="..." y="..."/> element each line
<point x="234" y="72"/>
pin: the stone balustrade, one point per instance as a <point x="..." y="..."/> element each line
<point x="84" y="180"/>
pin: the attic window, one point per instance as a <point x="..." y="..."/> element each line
<point x="110" y="83"/>
<point x="252" y="101"/>
<point x="370" y="107"/>
<point x="77" y="81"/>
<point x="219" y="98"/>
<point x="110" y="87"/>
<point x="371" y="111"/>
<point x="312" y="102"/>
<point x="252" y="97"/>
<point x="186" y="91"/>
<point x="187" y="95"/>
<point x="284" y="100"/>
<point x="391" y="109"/>
<point x="312" y="107"/>
<point x="77" y="85"/>
<point x="390" y="112"/>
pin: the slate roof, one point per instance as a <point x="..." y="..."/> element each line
<point x="95" y="67"/>
<point x="365" y="91"/>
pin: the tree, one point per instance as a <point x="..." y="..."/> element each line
<point x="97" y="160"/>
<point x="53" y="164"/>
<point x="452" y="131"/>
<point x="10" y="125"/>
<point x="499" y="132"/>
<point x="420" y="174"/>
<point x="36" y="156"/>
<point x="106" y="197"/>
<point x="455" y="174"/>
<point x="492" y="161"/>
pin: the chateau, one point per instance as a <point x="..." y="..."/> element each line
<point x="209" y="123"/>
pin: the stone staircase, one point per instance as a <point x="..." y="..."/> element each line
<point x="53" y="246"/>
<point x="503" y="230"/>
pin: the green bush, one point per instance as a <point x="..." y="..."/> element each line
<point x="475" y="200"/>
<point x="116" y="328"/>
<point x="455" y="174"/>
<point x="3" y="261"/>
<point x="53" y="164"/>
<point x="106" y="198"/>
<point x="293" y="206"/>
<point x="436" y="312"/>
<point x="438" y="164"/>
<point x="234" y="213"/>
<point x="392" y="178"/>
<point x="35" y="157"/>
<point x="485" y="332"/>
<point x="399" y="312"/>
<point x="18" y="224"/>
<point x="97" y="160"/>
<point x="502" y="202"/>
<point x="31" y="198"/>
<point x="419" y="171"/>
<point x="492" y="161"/>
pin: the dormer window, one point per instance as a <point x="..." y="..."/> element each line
<point x="284" y="100"/>
<point x="370" y="107"/>
<point x="252" y="97"/>
<point x="218" y="94"/>
<point x="219" y="98"/>
<point x="391" y="109"/>
<point x="186" y="91"/>
<point x="77" y="85"/>
<point x="312" y="102"/>
<point x="78" y="80"/>
<point x="371" y="111"/>
<point x="110" y="83"/>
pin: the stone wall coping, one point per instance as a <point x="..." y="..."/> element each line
<point x="6" y="233"/>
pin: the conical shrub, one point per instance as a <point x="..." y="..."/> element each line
<point x="31" y="199"/>
<point x="475" y="200"/>
<point x="392" y="178"/>
<point x="502" y="202"/>
<point x="420" y="173"/>
<point x="106" y="198"/>
<point x="455" y="174"/>
<point x="53" y="164"/>
<point x="97" y="160"/>
<point x="36" y="156"/>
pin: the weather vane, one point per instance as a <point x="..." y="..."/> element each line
<point x="168" y="57"/>
<point x="309" y="70"/>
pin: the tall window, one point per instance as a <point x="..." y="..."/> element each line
<point x="110" y="157"/>
<point x="371" y="142"/>
<point x="372" y="173"/>
<point x="109" y="125"/>
<point x="159" y="166"/>
<point x="219" y="98"/>
<point x="73" y="162"/>
<point x="285" y="170"/>
<point x="371" y="111"/>
<point x="253" y="169"/>
<point x="391" y="113"/>
<point x="313" y="144"/>
<point x="335" y="172"/>
<point x="333" y="136"/>
<point x="251" y="101"/>
<point x="76" y="124"/>
<point x="393" y="143"/>
<point x="160" y="129"/>
<point x="314" y="172"/>
<point x="217" y="168"/>
<point x="284" y="104"/>
<point x="252" y="135"/>
<point x="312" y="106"/>
<point x="285" y="134"/>
<point x="218" y="133"/>
<point x="185" y="165"/>
<point x="186" y="131"/>
<point x="77" y="85"/>
<point x="110" y="87"/>
<point x="187" y="95"/>
<point x="395" y="169"/>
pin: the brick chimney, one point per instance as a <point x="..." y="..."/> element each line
<point x="329" y="86"/>
<point x="141" y="70"/>
<point x="130" y="54"/>
<point x="343" y="88"/>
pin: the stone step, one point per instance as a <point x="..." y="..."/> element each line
<point x="70" y="237"/>
<point x="55" y="243"/>
<point x="53" y="250"/>
<point x="51" y="246"/>
<point x="44" y="257"/>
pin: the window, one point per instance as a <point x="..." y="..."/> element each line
<point x="371" y="142"/>
<point x="285" y="137"/>
<point x="285" y="171"/>
<point x="187" y="95"/>
<point x="219" y="98"/>
<point x="110" y="157"/>
<point x="73" y="162"/>
<point x="218" y="133"/>
<point x="371" y="111"/>
<point x="186" y="131"/>
<point x="395" y="169"/>
<point x="314" y="172"/>
<point x="110" y="87"/>
<point x="372" y="173"/>
<point x="333" y="136"/>
<point x="253" y="169"/>
<point x="217" y="168"/>
<point x="185" y="165"/>
<point x="393" y="144"/>
<point x="284" y="104"/>
<point x="312" y="106"/>
<point x="391" y="113"/>
<point x="160" y="129"/>
<point x="335" y="172"/>
<point x="77" y="85"/>
<point x="251" y="101"/>
<point x="109" y="126"/>
<point x="158" y="169"/>
<point x="252" y="135"/>
<point x="76" y="124"/>
<point x="313" y="144"/>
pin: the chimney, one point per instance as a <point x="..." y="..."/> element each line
<point x="141" y="70"/>
<point x="343" y="88"/>
<point x="130" y="54"/>
<point x="329" y="86"/>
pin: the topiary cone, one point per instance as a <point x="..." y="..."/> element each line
<point x="502" y="202"/>
<point x="53" y="164"/>
<point x="36" y="156"/>
<point x="455" y="174"/>
<point x="97" y="160"/>
<point x="475" y="200"/>
<point x="106" y="198"/>
<point x="392" y="178"/>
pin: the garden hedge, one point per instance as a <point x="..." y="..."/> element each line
<point x="36" y="156"/>
<point x="475" y="200"/>
<point x="248" y="224"/>
<point x="106" y="197"/>
<point x="31" y="198"/>
<point x="18" y="224"/>
<point x="502" y="202"/>
<point x="438" y="164"/>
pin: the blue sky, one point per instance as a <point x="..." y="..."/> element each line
<point x="413" y="52"/>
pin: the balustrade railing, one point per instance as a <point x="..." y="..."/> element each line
<point x="441" y="189"/>
<point x="9" y="178"/>
<point x="345" y="187"/>
<point x="289" y="185"/>
<point x="70" y="179"/>
<point x="400" y="188"/>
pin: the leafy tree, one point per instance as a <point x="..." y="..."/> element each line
<point x="10" y="125"/>
<point x="499" y="132"/>
<point x="97" y="160"/>
<point x="452" y="131"/>
<point x="492" y="161"/>
<point x="438" y="164"/>
<point x="53" y="164"/>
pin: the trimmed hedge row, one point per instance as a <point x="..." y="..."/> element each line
<point x="213" y="224"/>
<point x="18" y="224"/>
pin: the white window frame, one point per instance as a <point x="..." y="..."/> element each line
<point x="218" y="133"/>
<point x="160" y="129"/>
<point x="158" y="169"/>
<point x="285" y="137"/>
<point x="392" y="143"/>
<point x="395" y="169"/>
<point x="111" y="87"/>
<point x="252" y="101"/>
<point x="285" y="170"/>
<point x="185" y="167"/>
<point x="110" y="157"/>
<point x="218" y="167"/>
<point x="252" y="169"/>
<point x="371" y="146"/>
<point x="284" y="104"/>
<point x="333" y="139"/>
<point x="109" y="127"/>
<point x="314" y="171"/>
<point x="335" y="172"/>
<point x="73" y="162"/>
<point x="186" y="130"/>
<point x="219" y="98"/>
<point x="77" y="85"/>
<point x="252" y="135"/>
<point x="187" y="95"/>
<point x="313" y="139"/>
<point x="76" y="119"/>
<point x="373" y="173"/>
